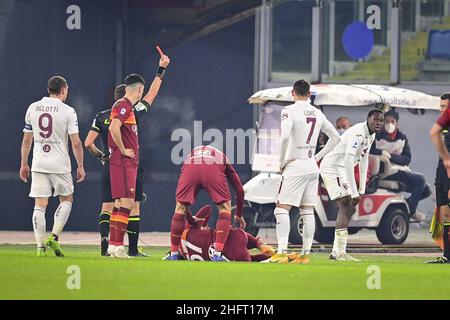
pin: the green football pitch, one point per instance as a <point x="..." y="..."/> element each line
<point x="24" y="276"/>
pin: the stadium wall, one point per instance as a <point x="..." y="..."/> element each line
<point x="209" y="80"/>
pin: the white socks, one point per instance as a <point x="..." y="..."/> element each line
<point x="309" y="228"/>
<point x="283" y="228"/>
<point x="61" y="216"/>
<point x="340" y="242"/>
<point x="39" y="226"/>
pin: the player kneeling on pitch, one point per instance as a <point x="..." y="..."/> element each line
<point x="209" y="169"/>
<point x="338" y="173"/>
<point x="301" y="124"/>
<point x="51" y="123"/>
<point x="197" y="241"/>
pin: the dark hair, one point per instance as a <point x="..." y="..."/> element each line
<point x="55" y="84"/>
<point x="119" y="92"/>
<point x="392" y="113"/>
<point x="134" y="78"/>
<point x="301" y="88"/>
<point x="445" y="96"/>
<point x="373" y="111"/>
<point x="342" y="118"/>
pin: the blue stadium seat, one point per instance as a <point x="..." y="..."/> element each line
<point x="438" y="45"/>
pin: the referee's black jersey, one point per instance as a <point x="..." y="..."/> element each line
<point x="101" y="122"/>
<point x="446" y="135"/>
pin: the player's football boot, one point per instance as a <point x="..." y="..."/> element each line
<point x="343" y="257"/>
<point x="276" y="258"/>
<point x="439" y="260"/>
<point x="111" y="250"/>
<point x="301" y="260"/>
<point x="217" y="257"/>
<point x="120" y="253"/>
<point x="174" y="258"/>
<point x="170" y="257"/>
<point x="267" y="250"/>
<point x="138" y="254"/>
<point x="54" y="245"/>
<point x="41" y="252"/>
<point x="289" y="257"/>
<point x="104" y="247"/>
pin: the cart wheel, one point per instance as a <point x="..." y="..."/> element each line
<point x="296" y="232"/>
<point x="323" y="235"/>
<point x="394" y="227"/>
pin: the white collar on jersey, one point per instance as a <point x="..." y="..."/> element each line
<point x="50" y="98"/>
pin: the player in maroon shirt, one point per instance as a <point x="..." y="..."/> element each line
<point x="124" y="159"/>
<point x="197" y="241"/>
<point x="209" y="169"/>
<point x="124" y="154"/>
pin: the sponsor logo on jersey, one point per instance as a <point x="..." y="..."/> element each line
<point x="46" y="148"/>
<point x="284" y="116"/>
<point x="202" y="153"/>
<point x="123" y="111"/>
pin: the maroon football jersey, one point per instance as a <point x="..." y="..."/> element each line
<point x="208" y="168"/>
<point x="197" y="244"/>
<point x="123" y="110"/>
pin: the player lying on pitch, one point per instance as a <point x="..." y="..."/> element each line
<point x="209" y="169"/>
<point x="197" y="241"/>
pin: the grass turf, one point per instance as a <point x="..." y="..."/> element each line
<point x="25" y="276"/>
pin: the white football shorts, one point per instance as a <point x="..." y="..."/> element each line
<point x="45" y="185"/>
<point x="299" y="190"/>
<point x="336" y="182"/>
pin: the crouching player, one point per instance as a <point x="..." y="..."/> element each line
<point x="197" y="241"/>
<point x="209" y="169"/>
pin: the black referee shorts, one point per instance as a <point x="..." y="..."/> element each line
<point x="442" y="184"/>
<point x="106" y="184"/>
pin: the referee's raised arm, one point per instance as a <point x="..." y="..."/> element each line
<point x="156" y="84"/>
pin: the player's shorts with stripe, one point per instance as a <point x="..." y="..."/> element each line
<point x="335" y="180"/>
<point x="442" y="184"/>
<point x="106" y="184"/>
<point x="123" y="178"/>
<point x="193" y="178"/>
<point x="299" y="190"/>
<point x="45" y="185"/>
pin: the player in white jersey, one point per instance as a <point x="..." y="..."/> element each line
<point x="301" y="124"/>
<point x="50" y="123"/>
<point x="338" y="173"/>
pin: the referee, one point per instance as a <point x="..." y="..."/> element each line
<point x="100" y="126"/>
